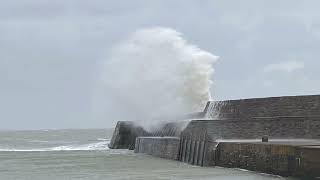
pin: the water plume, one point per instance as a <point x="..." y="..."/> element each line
<point x="155" y="74"/>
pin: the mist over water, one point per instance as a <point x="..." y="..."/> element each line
<point x="154" y="74"/>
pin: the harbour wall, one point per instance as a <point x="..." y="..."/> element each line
<point x="286" y="158"/>
<point x="213" y="140"/>
<point x="200" y="138"/>
<point x="125" y="133"/>
<point x="277" y="117"/>
<point x="163" y="147"/>
<point x="243" y="109"/>
<point x="255" y="128"/>
<point x="281" y="159"/>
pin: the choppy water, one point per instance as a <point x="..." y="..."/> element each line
<point x="83" y="154"/>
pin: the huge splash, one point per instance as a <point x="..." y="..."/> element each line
<point x="156" y="73"/>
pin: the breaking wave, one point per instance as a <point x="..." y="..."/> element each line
<point x="98" y="146"/>
<point x="155" y="73"/>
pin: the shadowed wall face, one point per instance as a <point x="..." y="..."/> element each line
<point x="125" y="134"/>
<point x="164" y="147"/>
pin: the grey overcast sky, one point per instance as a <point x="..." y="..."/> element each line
<point x="49" y="51"/>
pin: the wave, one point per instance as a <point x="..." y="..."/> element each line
<point x="99" y="146"/>
<point x="169" y="73"/>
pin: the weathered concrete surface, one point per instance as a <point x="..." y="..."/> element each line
<point x="197" y="151"/>
<point x="124" y="135"/>
<point x="126" y="132"/>
<point x="201" y="142"/>
<point x="285" y="159"/>
<point x="210" y="132"/>
<point x="272" y="159"/>
<point x="309" y="162"/>
<point x="278" y="117"/>
<point x="298" y="106"/>
<point x="164" y="147"/>
<point x="276" y="128"/>
<point x="168" y="129"/>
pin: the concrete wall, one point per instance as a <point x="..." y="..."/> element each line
<point x="280" y="159"/>
<point x="164" y="147"/>
<point x="278" y="117"/>
<point x="295" y="117"/>
<point x="126" y="132"/>
<point x="201" y="142"/>
<point x="172" y="129"/>
<point x="302" y="106"/>
<point x="309" y="165"/>
<point x="197" y="151"/>
<point x="124" y="135"/>
<point x="199" y="139"/>
<point x="267" y="158"/>
<point x="278" y="128"/>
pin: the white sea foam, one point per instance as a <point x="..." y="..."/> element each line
<point x="155" y="73"/>
<point x="83" y="147"/>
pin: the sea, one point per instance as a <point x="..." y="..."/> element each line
<point x="84" y="155"/>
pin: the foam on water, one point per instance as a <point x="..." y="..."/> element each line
<point x="97" y="146"/>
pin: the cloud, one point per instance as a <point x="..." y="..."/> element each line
<point x="286" y="66"/>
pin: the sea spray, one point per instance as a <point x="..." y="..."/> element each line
<point x="155" y="74"/>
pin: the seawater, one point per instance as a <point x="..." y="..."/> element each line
<point x="84" y="154"/>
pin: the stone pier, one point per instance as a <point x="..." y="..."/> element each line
<point x="163" y="147"/>
<point x="283" y="158"/>
<point x="229" y="134"/>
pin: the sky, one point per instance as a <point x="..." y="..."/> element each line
<point x="50" y="51"/>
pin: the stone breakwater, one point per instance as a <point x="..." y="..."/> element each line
<point x="228" y="134"/>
